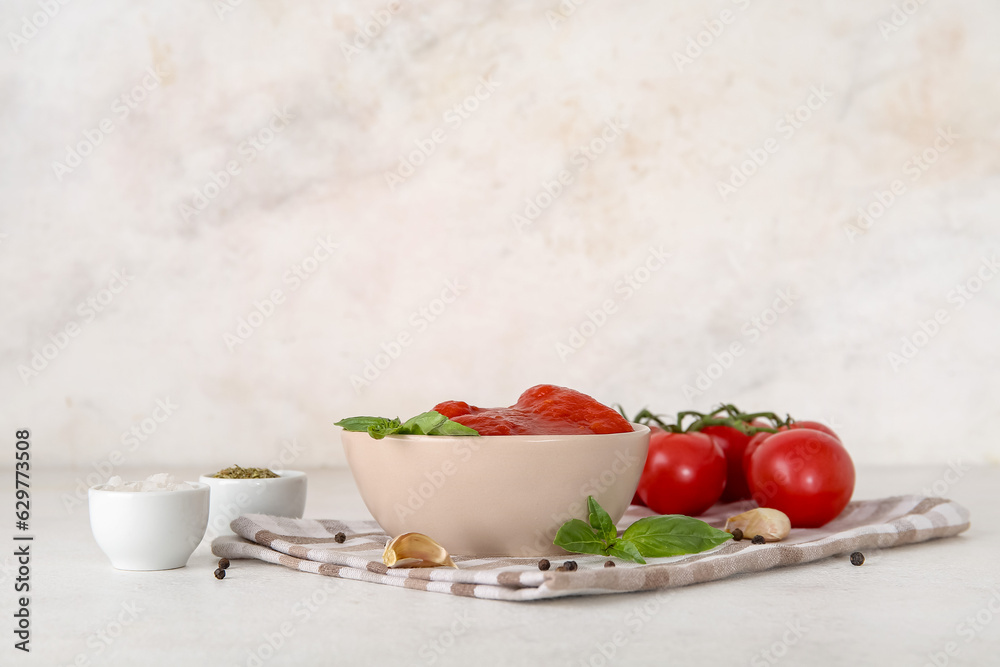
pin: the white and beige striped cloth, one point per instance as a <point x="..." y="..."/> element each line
<point x="309" y="545"/>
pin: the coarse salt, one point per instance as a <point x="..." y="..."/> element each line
<point x="161" y="481"/>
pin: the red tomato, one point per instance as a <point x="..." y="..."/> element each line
<point x="813" y="426"/>
<point x="806" y="474"/>
<point x="755" y="441"/>
<point x="750" y="449"/>
<point x="685" y="473"/>
<point x="733" y="444"/>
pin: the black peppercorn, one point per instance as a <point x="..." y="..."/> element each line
<point x="543" y="564"/>
<point x="609" y="563"/>
<point x="857" y="558"/>
<point x="339" y="538"/>
<point x="737" y="534"/>
<point x="570" y="565"/>
<point x="758" y="539"/>
<point x="223" y="563"/>
<point x="220" y="574"/>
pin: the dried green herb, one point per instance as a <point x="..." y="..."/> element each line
<point x="236" y="472"/>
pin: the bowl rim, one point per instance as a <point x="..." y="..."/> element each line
<point x="282" y="475"/>
<point x="199" y="486"/>
<point x="637" y="429"/>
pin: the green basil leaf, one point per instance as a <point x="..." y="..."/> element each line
<point x="434" y="423"/>
<point x="427" y="423"/>
<point x="448" y="427"/>
<point x="578" y="537"/>
<point x="383" y="427"/>
<point x="626" y="551"/>
<point x="358" y="423"/>
<point x="601" y="521"/>
<point x="422" y="424"/>
<point x="673" y="535"/>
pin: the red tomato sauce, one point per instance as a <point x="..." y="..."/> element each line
<point x="544" y="409"/>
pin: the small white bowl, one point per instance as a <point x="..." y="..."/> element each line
<point x="148" y="530"/>
<point x="284" y="495"/>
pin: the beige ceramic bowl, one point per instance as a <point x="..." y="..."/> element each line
<point x="494" y="495"/>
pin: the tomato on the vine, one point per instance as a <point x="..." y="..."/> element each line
<point x="734" y="443"/>
<point x="805" y="473"/>
<point x="812" y="426"/>
<point x="756" y="440"/>
<point x="685" y="473"/>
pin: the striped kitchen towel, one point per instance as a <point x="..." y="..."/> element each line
<point x="309" y="545"/>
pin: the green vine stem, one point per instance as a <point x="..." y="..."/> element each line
<point x="734" y="418"/>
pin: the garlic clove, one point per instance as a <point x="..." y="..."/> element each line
<point x="415" y="550"/>
<point x="771" y="524"/>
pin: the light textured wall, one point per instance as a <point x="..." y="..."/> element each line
<point x="643" y="110"/>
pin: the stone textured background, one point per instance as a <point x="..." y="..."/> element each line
<point x="666" y="98"/>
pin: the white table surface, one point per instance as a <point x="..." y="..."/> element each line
<point x="901" y="607"/>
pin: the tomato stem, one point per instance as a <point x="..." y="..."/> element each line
<point x="734" y="418"/>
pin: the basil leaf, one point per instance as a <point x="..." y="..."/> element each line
<point x="377" y="427"/>
<point x="383" y="427"/>
<point x="358" y="423"/>
<point x="448" y="427"/>
<point x="427" y="423"/>
<point x="673" y="535"/>
<point x="434" y="423"/>
<point x="626" y="551"/>
<point x="422" y="424"/>
<point x="601" y="521"/>
<point x="578" y="537"/>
